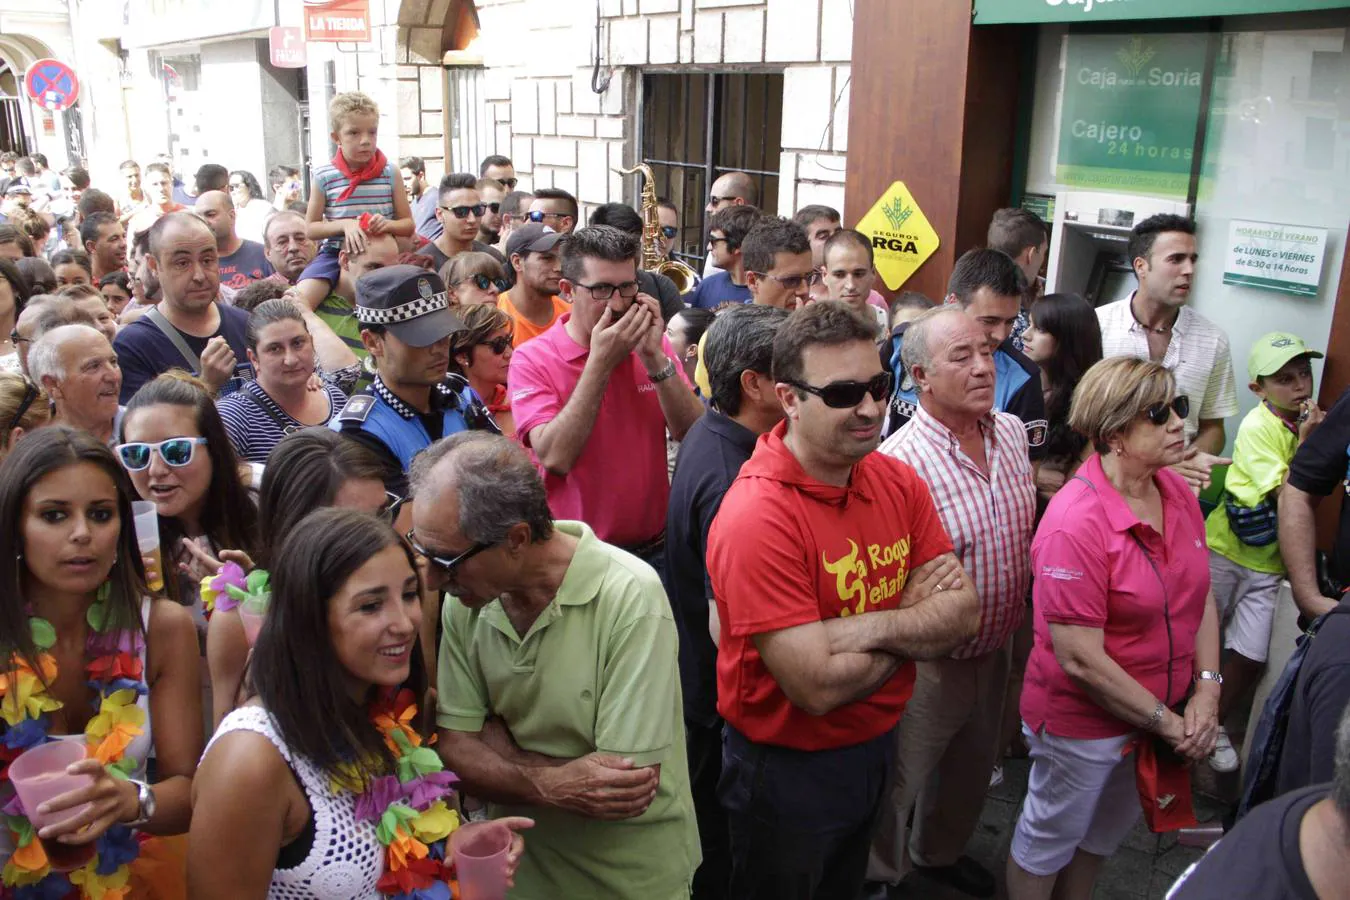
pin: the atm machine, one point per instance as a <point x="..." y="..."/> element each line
<point x="1088" y="238"/>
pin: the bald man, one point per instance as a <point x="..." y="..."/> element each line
<point x="241" y="262"/>
<point x="730" y="189"/>
<point x="189" y="328"/>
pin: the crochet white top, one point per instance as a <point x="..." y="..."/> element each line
<point x="346" y="859"/>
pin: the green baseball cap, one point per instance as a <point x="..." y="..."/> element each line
<point x="1272" y="351"/>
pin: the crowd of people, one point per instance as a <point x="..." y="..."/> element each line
<point x="739" y="588"/>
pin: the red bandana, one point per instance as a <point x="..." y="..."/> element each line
<point x="357" y="177"/>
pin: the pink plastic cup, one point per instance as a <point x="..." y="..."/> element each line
<point x="39" y="774"/>
<point x="480" y="850"/>
<point x="252" y="624"/>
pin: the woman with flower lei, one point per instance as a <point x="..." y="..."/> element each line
<point x="90" y="658"/>
<point x="322" y="785"/>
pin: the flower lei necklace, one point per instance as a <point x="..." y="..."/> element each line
<point x="115" y="671"/>
<point x="409" y="809"/>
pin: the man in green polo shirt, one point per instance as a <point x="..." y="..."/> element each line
<point x="559" y="692"/>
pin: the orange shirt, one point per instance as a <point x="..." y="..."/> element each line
<point x="522" y="328"/>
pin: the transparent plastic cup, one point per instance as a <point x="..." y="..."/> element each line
<point x="38" y="775"/>
<point x="480" y="850"/>
<point x="251" y="612"/>
<point x="146" y="518"/>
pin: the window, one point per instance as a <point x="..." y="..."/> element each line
<point x="697" y="127"/>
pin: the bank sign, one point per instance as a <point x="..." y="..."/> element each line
<point x="1285" y="258"/>
<point x="1129" y="112"/>
<point x="999" y="12"/>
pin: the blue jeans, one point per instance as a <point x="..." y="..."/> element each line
<point x="801" y="821"/>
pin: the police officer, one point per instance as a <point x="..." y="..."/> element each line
<point x="406" y="325"/>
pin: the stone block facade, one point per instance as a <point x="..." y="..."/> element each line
<point x="535" y="82"/>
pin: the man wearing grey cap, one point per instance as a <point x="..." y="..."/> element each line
<point x="406" y="326"/>
<point x="533" y="302"/>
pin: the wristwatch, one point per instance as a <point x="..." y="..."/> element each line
<point x="1207" y="675"/>
<point x="667" y="372"/>
<point x="146" y="798"/>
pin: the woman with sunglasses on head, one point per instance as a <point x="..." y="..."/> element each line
<point x="308" y="470"/>
<point x="179" y="457"/>
<point x="92" y="659"/>
<point x="295" y="782"/>
<point x="14" y="294"/>
<point x="474" y="278"/>
<point x="481" y="352"/>
<point x="1065" y="340"/>
<point x="23" y="407"/>
<point x="251" y="208"/>
<point x="1126" y="653"/>
<point x="280" y="401"/>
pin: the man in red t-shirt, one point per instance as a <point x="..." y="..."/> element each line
<point x="831" y="573"/>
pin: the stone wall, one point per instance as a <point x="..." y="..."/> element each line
<point x="537" y="65"/>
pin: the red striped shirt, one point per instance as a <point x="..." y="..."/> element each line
<point x="989" y="517"/>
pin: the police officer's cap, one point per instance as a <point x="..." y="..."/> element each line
<point x="410" y="302"/>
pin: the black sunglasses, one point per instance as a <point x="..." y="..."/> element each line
<point x="499" y="344"/>
<point x="446" y="564"/>
<point x="848" y="394"/>
<point x="389" y="510"/>
<point x="462" y="212"/>
<point x="791" y="282"/>
<point x="484" y="283"/>
<point x="1161" y="413"/>
<point x="508" y="183"/>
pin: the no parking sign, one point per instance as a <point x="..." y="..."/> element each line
<point x="53" y="84"/>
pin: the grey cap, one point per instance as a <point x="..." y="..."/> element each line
<point x="409" y="301"/>
<point x="532" y="238"/>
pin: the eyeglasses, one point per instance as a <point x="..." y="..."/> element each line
<point x="713" y="199"/>
<point x="447" y="565"/>
<point x="499" y="344"/>
<point x="393" y="504"/>
<point x="1161" y="413"/>
<point x="176" y="452"/>
<point x="792" y="282"/>
<point x="484" y="283"/>
<point x="508" y="183"/>
<point x="669" y="231"/>
<point x="535" y="215"/>
<point x="848" y="394"/>
<point x="235" y="185"/>
<point x="628" y="290"/>
<point x="462" y="212"/>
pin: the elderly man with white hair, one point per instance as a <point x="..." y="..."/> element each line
<point x="78" y="369"/>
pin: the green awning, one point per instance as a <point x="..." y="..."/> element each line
<point x="1087" y="12"/>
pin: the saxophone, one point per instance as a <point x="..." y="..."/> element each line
<point x="685" y="278"/>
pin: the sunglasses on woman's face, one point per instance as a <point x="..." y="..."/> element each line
<point x="1161" y="413"/>
<point x="848" y="394"/>
<point x="176" y="452"/>
<point x="484" y="283"/>
<point x="498" y="345"/>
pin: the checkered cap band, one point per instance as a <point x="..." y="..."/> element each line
<point x="392" y="316"/>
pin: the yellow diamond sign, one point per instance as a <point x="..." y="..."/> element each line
<point x="902" y="240"/>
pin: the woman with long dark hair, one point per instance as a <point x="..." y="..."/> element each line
<point x="76" y="613"/>
<point x="295" y="782"/>
<point x="308" y="470"/>
<point x="1065" y="340"/>
<point x="251" y="208"/>
<point x="180" y="459"/>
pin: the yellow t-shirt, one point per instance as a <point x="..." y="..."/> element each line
<point x="1261" y="455"/>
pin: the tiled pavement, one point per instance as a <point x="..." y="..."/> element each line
<point x="1144" y="867"/>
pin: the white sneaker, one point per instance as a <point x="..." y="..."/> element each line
<point x="1224" y="758"/>
<point x="996" y="778"/>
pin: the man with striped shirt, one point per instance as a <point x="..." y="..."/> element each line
<point x="975" y="463"/>
<point x="1155" y="323"/>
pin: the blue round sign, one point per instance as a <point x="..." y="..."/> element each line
<point x="53" y="84"/>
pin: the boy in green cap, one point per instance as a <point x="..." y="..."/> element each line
<point x="1242" y="532"/>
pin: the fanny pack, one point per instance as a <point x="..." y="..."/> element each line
<point x="1256" y="526"/>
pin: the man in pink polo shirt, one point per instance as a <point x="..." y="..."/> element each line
<point x="594" y="395"/>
